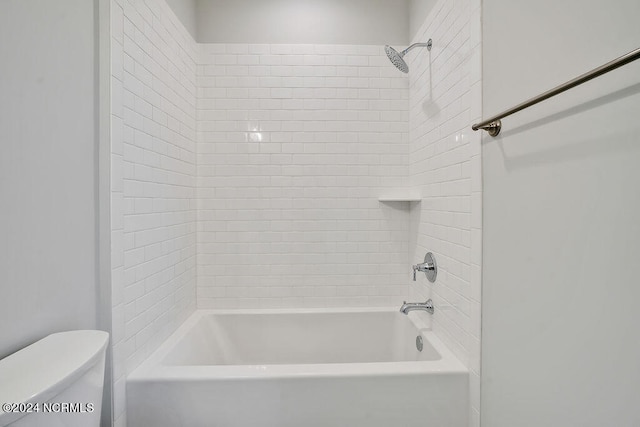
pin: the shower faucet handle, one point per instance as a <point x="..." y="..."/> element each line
<point x="419" y="267"/>
<point x="428" y="267"/>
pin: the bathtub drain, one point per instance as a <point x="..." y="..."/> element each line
<point x="419" y="343"/>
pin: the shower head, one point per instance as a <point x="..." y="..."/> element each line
<point x="397" y="58"/>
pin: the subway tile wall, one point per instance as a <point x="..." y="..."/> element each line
<point x="295" y="144"/>
<point x="153" y="216"/>
<point x="250" y="175"/>
<point x="444" y="162"/>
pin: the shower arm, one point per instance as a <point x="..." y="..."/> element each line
<point x="427" y="45"/>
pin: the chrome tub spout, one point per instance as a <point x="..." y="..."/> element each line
<point x="410" y="306"/>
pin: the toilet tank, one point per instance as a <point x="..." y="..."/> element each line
<point x="56" y="381"/>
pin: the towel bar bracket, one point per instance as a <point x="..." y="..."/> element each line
<point x="492" y="128"/>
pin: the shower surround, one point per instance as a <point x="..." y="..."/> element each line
<point x="249" y="175"/>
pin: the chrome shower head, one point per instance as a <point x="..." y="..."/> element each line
<point x="397" y="58"/>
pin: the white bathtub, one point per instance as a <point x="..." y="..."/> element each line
<point x="299" y="368"/>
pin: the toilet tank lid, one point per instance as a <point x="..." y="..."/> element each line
<point x="40" y="371"/>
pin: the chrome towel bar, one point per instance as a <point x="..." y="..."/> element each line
<point x="493" y="125"/>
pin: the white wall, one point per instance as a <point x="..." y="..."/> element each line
<point x="307" y="21"/>
<point x="418" y="12"/>
<point x="295" y="144"/>
<point x="47" y="170"/>
<point x="561" y="342"/>
<point x="444" y="166"/>
<point x="153" y="166"/>
<point x="186" y="12"/>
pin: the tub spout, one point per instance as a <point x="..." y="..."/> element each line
<point x="410" y="306"/>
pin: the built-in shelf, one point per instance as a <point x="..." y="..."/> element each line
<point x="400" y="198"/>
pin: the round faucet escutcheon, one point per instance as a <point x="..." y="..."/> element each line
<point x="428" y="267"/>
<point x="432" y="267"/>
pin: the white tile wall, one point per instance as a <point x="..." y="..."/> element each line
<point x="276" y="155"/>
<point x="444" y="162"/>
<point x="153" y="182"/>
<point x="295" y="144"/>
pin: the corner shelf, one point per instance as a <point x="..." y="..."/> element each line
<point x="400" y="197"/>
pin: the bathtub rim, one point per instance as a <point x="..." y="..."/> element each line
<point x="152" y="368"/>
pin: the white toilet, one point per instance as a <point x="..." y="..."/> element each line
<point x="55" y="382"/>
